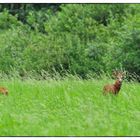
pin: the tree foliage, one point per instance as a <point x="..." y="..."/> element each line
<point x="73" y="38"/>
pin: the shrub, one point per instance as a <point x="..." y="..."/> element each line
<point x="8" y="21"/>
<point x="77" y="38"/>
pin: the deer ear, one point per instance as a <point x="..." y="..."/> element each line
<point x="114" y="73"/>
<point x="124" y="73"/>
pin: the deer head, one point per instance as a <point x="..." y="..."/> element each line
<point x="119" y="75"/>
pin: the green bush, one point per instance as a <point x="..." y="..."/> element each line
<point x="132" y="52"/>
<point x="77" y="38"/>
<point x="8" y="21"/>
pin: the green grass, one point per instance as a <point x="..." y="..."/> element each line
<point x="68" y="107"/>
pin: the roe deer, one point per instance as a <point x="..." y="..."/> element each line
<point x="3" y="91"/>
<point x="114" y="88"/>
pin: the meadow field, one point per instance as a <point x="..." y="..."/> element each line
<point x="68" y="107"/>
<point x="55" y="59"/>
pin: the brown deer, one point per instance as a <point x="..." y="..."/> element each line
<point x="114" y="88"/>
<point x="3" y="91"/>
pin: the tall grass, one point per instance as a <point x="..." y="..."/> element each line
<point x="68" y="107"/>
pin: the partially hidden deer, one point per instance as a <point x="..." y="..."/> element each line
<point x="114" y="88"/>
<point x="3" y="91"/>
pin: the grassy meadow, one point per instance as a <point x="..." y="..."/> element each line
<point x="68" y="107"/>
<point x="61" y="42"/>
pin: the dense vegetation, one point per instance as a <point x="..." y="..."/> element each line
<point x="69" y="38"/>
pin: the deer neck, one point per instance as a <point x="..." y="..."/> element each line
<point x="118" y="84"/>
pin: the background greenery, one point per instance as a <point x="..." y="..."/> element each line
<point x="68" y="45"/>
<point x="69" y="38"/>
